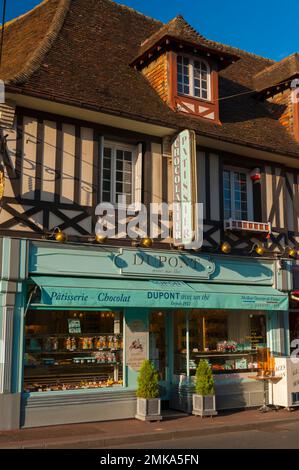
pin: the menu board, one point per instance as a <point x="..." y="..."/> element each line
<point x="136" y="344"/>
<point x="74" y="326"/>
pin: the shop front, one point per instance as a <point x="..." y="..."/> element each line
<point x="90" y="316"/>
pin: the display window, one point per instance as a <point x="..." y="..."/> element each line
<point x="70" y="350"/>
<point x="228" y="339"/>
<point x="294" y="327"/>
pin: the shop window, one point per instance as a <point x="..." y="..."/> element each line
<point x="117" y="173"/>
<point x="237" y="195"/>
<point x="67" y="350"/>
<point x="229" y="340"/>
<point x="294" y="327"/>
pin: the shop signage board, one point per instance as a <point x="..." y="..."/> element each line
<point x="159" y="294"/>
<point x="163" y="264"/>
<point x="64" y="260"/>
<point x="136" y="344"/>
<point x="285" y="391"/>
<point x="184" y="188"/>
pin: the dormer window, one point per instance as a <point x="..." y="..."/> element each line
<point x="183" y="68"/>
<point x="193" y="77"/>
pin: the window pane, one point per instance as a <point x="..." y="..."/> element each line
<point x="119" y="188"/>
<point x="107" y="166"/>
<point x="106" y="175"/>
<point x="200" y="79"/>
<point x="106" y="185"/>
<point x="119" y="176"/>
<point x="183" y="76"/>
<point x="227" y="194"/>
<point x="240" y="193"/>
<point x="107" y="152"/>
<point x="106" y="196"/>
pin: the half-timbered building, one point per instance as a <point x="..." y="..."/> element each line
<point x="95" y="95"/>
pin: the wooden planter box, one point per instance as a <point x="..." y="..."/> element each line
<point x="148" y="409"/>
<point x="204" y="406"/>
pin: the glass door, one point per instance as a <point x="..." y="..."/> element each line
<point x="158" y="345"/>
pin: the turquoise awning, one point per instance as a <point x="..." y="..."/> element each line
<point x="111" y="293"/>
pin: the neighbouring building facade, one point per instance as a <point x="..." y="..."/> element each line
<point x="96" y="94"/>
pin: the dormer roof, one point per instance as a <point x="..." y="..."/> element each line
<point x="279" y="73"/>
<point x="179" y="31"/>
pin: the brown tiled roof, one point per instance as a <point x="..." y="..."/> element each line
<point x="85" y="58"/>
<point x="280" y="72"/>
<point x="29" y="37"/>
<point x="179" y="29"/>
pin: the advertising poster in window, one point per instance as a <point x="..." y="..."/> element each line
<point x="136" y="344"/>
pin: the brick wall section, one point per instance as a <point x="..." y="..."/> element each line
<point x="156" y="73"/>
<point x="281" y="106"/>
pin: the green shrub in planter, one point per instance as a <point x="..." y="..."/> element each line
<point x="148" y="381"/>
<point x="204" y="380"/>
<point x="148" y="401"/>
<point x="204" y="400"/>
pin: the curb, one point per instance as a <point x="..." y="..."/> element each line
<point x="107" y="442"/>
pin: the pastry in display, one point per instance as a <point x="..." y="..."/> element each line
<point x="110" y="342"/>
<point x="68" y="344"/>
<point x="73" y="344"/>
<point x="84" y="384"/>
<point x="227" y="346"/>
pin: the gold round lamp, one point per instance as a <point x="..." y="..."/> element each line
<point x="292" y="252"/>
<point x="260" y="250"/>
<point x="226" y="248"/>
<point x="100" y="238"/>
<point x="146" y="242"/>
<point x="60" y="236"/>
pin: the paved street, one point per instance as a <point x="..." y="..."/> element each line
<point x="269" y="436"/>
<point x="239" y="429"/>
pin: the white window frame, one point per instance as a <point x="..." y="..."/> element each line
<point x="114" y="146"/>
<point x="191" y="77"/>
<point x="249" y="192"/>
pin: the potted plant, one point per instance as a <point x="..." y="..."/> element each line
<point x="204" y="402"/>
<point x="148" y="401"/>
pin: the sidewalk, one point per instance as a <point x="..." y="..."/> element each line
<point x="175" y="425"/>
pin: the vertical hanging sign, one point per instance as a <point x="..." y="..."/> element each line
<point x="2" y="186"/>
<point x="185" y="226"/>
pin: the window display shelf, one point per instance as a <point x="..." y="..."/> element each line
<point x="78" y="365"/>
<point x="76" y="351"/>
<point x="218" y="354"/>
<point x="64" y="351"/>
<point x="67" y="335"/>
